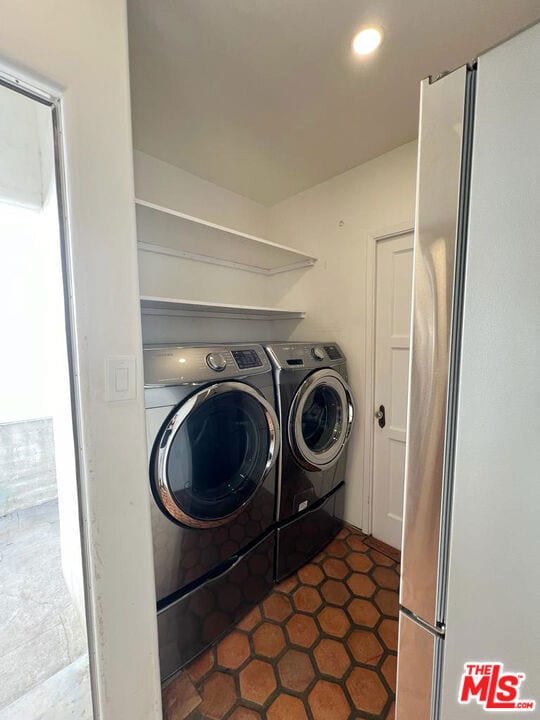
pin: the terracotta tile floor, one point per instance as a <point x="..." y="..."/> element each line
<point x="321" y="646"/>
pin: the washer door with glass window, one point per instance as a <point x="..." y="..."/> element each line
<point x="213" y="453"/>
<point x="321" y="417"/>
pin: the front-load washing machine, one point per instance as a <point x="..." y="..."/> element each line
<point x="316" y="414"/>
<point x="213" y="438"/>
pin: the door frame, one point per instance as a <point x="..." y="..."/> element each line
<point x="46" y="94"/>
<point x="118" y="555"/>
<point x="386" y="233"/>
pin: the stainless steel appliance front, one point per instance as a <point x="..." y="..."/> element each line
<point x="213" y="438"/>
<point x="446" y="116"/>
<point x="437" y="212"/>
<point x="316" y="413"/>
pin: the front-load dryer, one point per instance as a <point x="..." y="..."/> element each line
<point x="316" y="414"/>
<point x="213" y="438"/>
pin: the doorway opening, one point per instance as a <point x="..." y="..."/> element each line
<point x="44" y="659"/>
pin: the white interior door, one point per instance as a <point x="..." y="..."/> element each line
<point x="392" y="331"/>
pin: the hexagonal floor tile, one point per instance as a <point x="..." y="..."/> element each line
<point x="233" y="650"/>
<point x="334" y="621"/>
<point x="257" y="682"/>
<point x="388" y="631"/>
<point x="277" y="607"/>
<point x="386" y="578"/>
<point x="388" y="602"/>
<point x="287" y="585"/>
<point x="332" y="658"/>
<point x="302" y="630"/>
<point x="311" y="574"/>
<point x="286" y="707"/>
<point x="381" y="559"/>
<point x="179" y="698"/>
<point x="335" y="568"/>
<point x="389" y="670"/>
<point x="335" y="592"/>
<point x="365" y="647"/>
<point x="359" y="562"/>
<point x="218" y="696"/>
<point x="295" y="670"/>
<point x="342" y="593"/>
<point x="201" y="666"/>
<point x="244" y="713"/>
<point x="327" y="701"/>
<point x="361" y="585"/>
<point x="363" y="612"/>
<point x="251" y="620"/>
<point x="268" y="640"/>
<point x="337" y="548"/>
<point x="356" y="542"/>
<point x="366" y="690"/>
<point x="307" y="599"/>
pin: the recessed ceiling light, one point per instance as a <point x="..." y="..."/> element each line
<point x="367" y="41"/>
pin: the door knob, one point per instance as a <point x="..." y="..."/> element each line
<point x="381" y="416"/>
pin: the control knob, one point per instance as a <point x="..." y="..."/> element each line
<point x="318" y="353"/>
<point x="216" y="361"/>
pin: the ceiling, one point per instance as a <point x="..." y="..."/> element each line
<point x="265" y="98"/>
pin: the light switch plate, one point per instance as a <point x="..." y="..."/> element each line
<point x="120" y="378"/>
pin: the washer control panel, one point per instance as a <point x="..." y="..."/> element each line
<point x="333" y="352"/>
<point x="246" y="359"/>
<point x="298" y="355"/>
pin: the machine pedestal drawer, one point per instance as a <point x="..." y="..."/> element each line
<point x="303" y="537"/>
<point x="191" y="623"/>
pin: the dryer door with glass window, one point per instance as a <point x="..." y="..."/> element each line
<point x="213" y="453"/>
<point x="320" y="420"/>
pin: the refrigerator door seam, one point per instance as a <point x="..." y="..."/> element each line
<point x="455" y="344"/>
<point x="453" y="384"/>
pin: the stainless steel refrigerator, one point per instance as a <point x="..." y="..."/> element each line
<point x="469" y="635"/>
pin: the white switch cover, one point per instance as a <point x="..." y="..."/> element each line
<point x="120" y="378"/>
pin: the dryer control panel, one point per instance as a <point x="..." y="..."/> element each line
<point x="305" y="355"/>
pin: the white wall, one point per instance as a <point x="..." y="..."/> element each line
<point x="172" y="187"/>
<point x="166" y="276"/>
<point x="80" y="48"/>
<point x="367" y="200"/>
